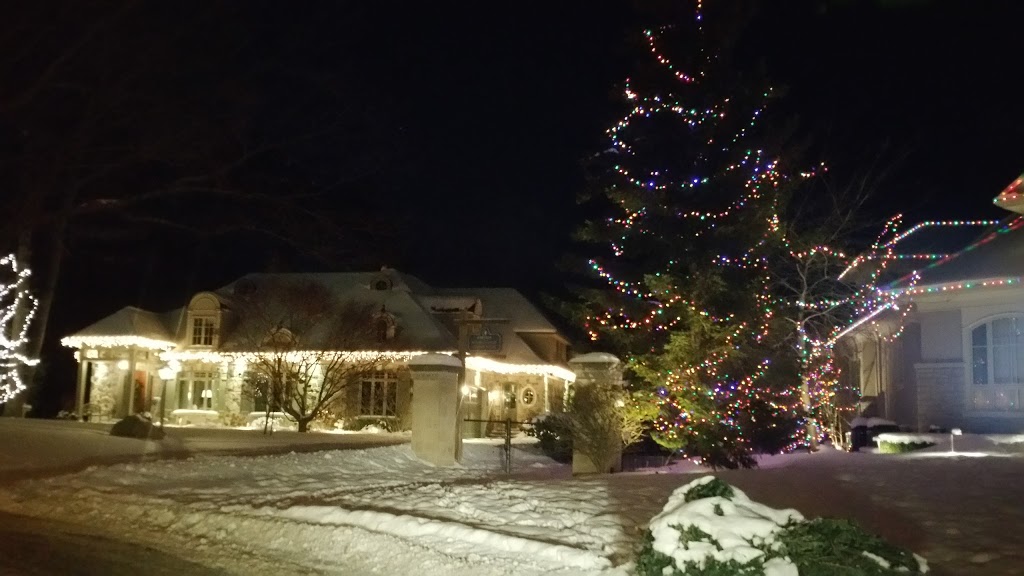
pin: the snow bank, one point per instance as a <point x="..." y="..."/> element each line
<point x="419" y="528"/>
<point x="732" y="525"/>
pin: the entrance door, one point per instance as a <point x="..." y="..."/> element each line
<point x="140" y="389"/>
<point x="510" y="398"/>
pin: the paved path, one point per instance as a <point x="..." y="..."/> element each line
<point x="34" y="547"/>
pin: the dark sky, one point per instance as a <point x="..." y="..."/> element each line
<point x="468" y="122"/>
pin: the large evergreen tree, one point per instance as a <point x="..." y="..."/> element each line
<point x="688" y="204"/>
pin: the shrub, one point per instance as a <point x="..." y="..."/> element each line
<point x="709" y="528"/>
<point x="136" y="426"/>
<point x="901" y="447"/>
<point x="833" y="547"/>
<point x="554" y="435"/>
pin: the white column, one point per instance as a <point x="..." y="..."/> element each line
<point x="547" y="394"/>
<point x="436" y="434"/>
<point x="83" y="369"/>
<point x="131" y="381"/>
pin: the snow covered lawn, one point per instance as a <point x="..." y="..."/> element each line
<point x="381" y="511"/>
<point x="32" y="447"/>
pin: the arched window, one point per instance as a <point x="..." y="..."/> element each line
<point x="997" y="352"/>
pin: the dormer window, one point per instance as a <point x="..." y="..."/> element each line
<point x="204" y="320"/>
<point x="202" y="331"/>
<point x="382" y="284"/>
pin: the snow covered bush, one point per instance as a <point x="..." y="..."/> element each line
<point x="901" y="447"/>
<point x="553" y="432"/>
<point x="709" y="528"/>
<point x="898" y="443"/>
<point x="137" y="426"/>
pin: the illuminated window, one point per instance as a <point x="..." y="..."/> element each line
<point x="202" y="331"/>
<point x="196" y="390"/>
<point x="997" y="352"/>
<point x="378" y="394"/>
<point x="529" y="396"/>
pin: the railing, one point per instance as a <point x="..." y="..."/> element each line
<point x="507" y="447"/>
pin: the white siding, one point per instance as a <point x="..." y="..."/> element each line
<point x="941" y="336"/>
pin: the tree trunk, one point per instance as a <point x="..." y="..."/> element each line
<point x="304" y="423"/>
<point x="810" y="428"/>
<point x="44" y="293"/>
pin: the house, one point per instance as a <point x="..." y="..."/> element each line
<point x="189" y="365"/>
<point x="950" y="351"/>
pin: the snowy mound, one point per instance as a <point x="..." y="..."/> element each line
<point x="710" y="528"/>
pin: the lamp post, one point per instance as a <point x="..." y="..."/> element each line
<point x="166" y="373"/>
<point x="952" y="433"/>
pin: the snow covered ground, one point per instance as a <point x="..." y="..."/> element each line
<point x="30" y="447"/>
<point x="382" y="511"/>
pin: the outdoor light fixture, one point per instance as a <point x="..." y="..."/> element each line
<point x="122" y="364"/>
<point x="466" y="389"/>
<point x="952" y="433"/>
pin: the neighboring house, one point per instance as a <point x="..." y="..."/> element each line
<point x="959" y="361"/>
<point x="188" y="364"/>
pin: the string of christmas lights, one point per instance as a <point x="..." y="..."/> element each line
<point x="17" y="308"/>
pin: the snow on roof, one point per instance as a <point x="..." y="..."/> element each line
<point x="129" y="324"/>
<point x="505" y="303"/>
<point x="417" y="308"/>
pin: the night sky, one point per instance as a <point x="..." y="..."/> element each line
<point x="454" y="134"/>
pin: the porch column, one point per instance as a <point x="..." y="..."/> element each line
<point x="131" y="381"/>
<point x="547" y="394"/>
<point x="436" y="430"/>
<point x="83" y="369"/>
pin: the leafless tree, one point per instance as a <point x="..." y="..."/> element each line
<point x="113" y="128"/>
<point x="303" y="346"/>
<point x="812" y="279"/>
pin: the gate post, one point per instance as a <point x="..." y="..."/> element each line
<point x="598" y="369"/>
<point x="436" y="431"/>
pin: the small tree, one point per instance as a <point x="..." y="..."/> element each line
<point x="17" y="306"/>
<point x="603" y="419"/>
<point x="305" y="347"/>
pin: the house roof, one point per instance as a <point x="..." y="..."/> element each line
<point x="996" y="253"/>
<point x="418" y="309"/>
<point x="504" y="303"/>
<point x="129" y="323"/>
<point x="419" y="330"/>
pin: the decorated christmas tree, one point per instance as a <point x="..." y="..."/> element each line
<point x="688" y="203"/>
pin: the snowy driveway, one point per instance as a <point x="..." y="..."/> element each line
<point x="382" y="511"/>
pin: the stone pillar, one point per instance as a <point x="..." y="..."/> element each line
<point x="436" y="430"/>
<point x="597" y="369"/>
<point x="83" y="369"/>
<point x="131" y="382"/>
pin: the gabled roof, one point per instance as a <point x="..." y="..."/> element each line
<point x="504" y="303"/>
<point x="998" y="253"/>
<point x="130" y="324"/>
